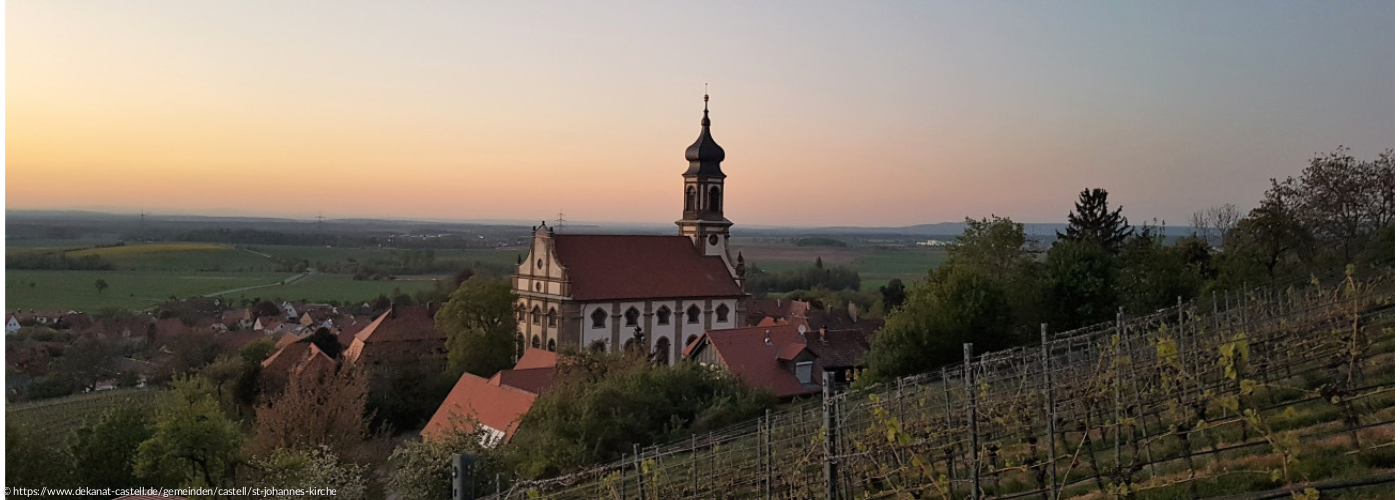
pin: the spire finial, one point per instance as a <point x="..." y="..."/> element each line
<point x="706" y="120"/>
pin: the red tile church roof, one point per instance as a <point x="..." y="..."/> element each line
<point x="609" y="267"/>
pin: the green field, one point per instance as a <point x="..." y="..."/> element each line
<point x="180" y="257"/>
<point x="54" y="290"/>
<point x="459" y="257"/>
<point x="876" y="265"/>
<point x="336" y="287"/>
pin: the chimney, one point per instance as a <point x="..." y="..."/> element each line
<point x="392" y="313"/>
<point x="767" y="338"/>
<point x="432" y="309"/>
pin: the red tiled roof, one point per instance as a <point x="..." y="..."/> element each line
<point x="789" y="352"/>
<point x="286" y="339"/>
<point x="604" y="267"/>
<point x="533" y="380"/>
<point x="232" y="340"/>
<point x="841" y="349"/>
<point x="297" y="358"/>
<point x="536" y="358"/>
<point x="496" y="406"/>
<point x="402" y="323"/>
<point x="744" y="353"/>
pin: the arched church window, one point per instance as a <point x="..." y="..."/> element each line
<point x="599" y="317"/>
<point x="663" y="316"/>
<point x="722" y="313"/>
<point x="535" y="316"/>
<point x="551" y="345"/>
<point x="690" y="199"/>
<point x="663" y="351"/>
<point x="714" y="199"/>
<point x="631" y="316"/>
<point x="692" y="315"/>
<point x="535" y="342"/>
<point x="553" y="315"/>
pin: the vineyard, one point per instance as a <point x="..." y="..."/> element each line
<point x="1250" y="395"/>
<point x="56" y="419"/>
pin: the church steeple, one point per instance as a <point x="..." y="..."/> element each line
<point x="704" y="156"/>
<point x="703" y="216"/>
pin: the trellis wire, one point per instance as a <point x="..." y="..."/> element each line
<point x="1046" y="414"/>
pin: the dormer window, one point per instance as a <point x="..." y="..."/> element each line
<point x="631" y="316"/>
<point x="692" y="314"/>
<point x="663" y="316"/>
<point x="803" y="370"/>
<point x="599" y="317"/>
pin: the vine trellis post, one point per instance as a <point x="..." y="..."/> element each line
<point x="970" y="379"/>
<point x="1049" y="407"/>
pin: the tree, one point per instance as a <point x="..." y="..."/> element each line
<point x="956" y="304"/>
<point x="101" y="285"/>
<point x="315" y="411"/>
<point x="105" y="452"/>
<point x="422" y="470"/>
<point x="1341" y="201"/>
<point x="1152" y="275"/>
<point x="479" y="321"/>
<point x="1091" y="221"/>
<point x="86" y="362"/>
<point x="265" y="308"/>
<point x="194" y="443"/>
<point x="601" y="404"/>
<point x="33" y="460"/>
<point x="993" y="247"/>
<point x="1271" y="235"/>
<point x="306" y="469"/>
<point x="892" y="295"/>
<point x="1214" y="223"/>
<point x="1078" y="285"/>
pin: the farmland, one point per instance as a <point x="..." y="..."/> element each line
<point x="55" y="290"/>
<point x="336" y="288"/>
<point x="876" y="264"/>
<point x="145" y="274"/>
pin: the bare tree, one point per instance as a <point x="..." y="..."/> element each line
<point x="1215" y="223"/>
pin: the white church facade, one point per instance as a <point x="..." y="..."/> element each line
<point x="596" y="291"/>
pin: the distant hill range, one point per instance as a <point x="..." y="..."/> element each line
<point x="941" y="230"/>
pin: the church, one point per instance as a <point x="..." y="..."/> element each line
<point x="609" y="292"/>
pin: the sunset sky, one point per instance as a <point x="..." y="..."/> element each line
<point x="831" y="113"/>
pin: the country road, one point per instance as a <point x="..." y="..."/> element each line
<point x="291" y="279"/>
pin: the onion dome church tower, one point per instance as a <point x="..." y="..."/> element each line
<point x="703" y="217"/>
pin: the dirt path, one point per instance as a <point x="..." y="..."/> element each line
<point x="290" y="279"/>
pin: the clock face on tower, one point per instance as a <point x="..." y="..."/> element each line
<point x="714" y="239"/>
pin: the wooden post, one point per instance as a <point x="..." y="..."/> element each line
<point x="1117" y="408"/>
<point x="637" y="464"/>
<point x="948" y="422"/>
<point x="829" y="443"/>
<point x="970" y="378"/>
<point x="694" y="467"/>
<point x="1049" y="408"/>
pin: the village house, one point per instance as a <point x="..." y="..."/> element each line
<point x="788" y="360"/>
<point x="608" y="291"/>
<point x="496" y="404"/>
<point x="403" y="334"/>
